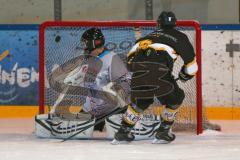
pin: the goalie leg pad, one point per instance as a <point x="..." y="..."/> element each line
<point x="55" y="127"/>
<point x="144" y="129"/>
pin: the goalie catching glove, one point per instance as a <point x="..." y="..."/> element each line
<point x="183" y="76"/>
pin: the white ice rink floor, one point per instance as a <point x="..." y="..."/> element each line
<point x="17" y="142"/>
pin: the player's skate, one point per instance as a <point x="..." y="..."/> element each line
<point x="123" y="135"/>
<point x="163" y="134"/>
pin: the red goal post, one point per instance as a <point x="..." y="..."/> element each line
<point x="192" y="24"/>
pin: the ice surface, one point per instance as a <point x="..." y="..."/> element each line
<point x="210" y="145"/>
<point x="204" y="147"/>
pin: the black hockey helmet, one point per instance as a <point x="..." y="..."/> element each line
<point x="166" y="20"/>
<point x="92" y="39"/>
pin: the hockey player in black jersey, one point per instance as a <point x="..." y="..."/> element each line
<point x="157" y="53"/>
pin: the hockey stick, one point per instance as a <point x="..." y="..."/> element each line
<point x="106" y="88"/>
<point x="73" y="75"/>
<point x="60" y="98"/>
<point x="99" y="120"/>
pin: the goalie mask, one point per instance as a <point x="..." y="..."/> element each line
<point x="92" y="39"/>
<point x="166" y="20"/>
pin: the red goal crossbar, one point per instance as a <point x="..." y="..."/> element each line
<point x="192" y="24"/>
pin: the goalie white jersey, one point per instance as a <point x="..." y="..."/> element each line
<point x="112" y="70"/>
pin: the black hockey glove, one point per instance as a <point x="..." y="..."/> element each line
<point x="184" y="76"/>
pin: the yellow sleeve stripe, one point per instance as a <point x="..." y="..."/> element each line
<point x="168" y="49"/>
<point x="133" y="50"/>
<point x="156" y="46"/>
<point x="164" y="49"/>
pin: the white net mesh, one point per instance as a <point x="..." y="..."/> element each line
<point x="63" y="43"/>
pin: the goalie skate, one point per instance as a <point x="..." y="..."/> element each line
<point x="122" y="138"/>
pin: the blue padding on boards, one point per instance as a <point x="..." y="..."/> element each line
<point x="36" y="26"/>
<point x="220" y="27"/>
<point x="19" y="26"/>
<point x="19" y="69"/>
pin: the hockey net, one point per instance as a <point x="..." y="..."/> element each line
<point x="60" y="43"/>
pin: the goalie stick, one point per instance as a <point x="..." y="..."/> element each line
<point x="122" y="104"/>
<point x="59" y="99"/>
<point x="73" y="75"/>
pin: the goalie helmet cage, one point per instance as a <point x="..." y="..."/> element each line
<point x="138" y="28"/>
